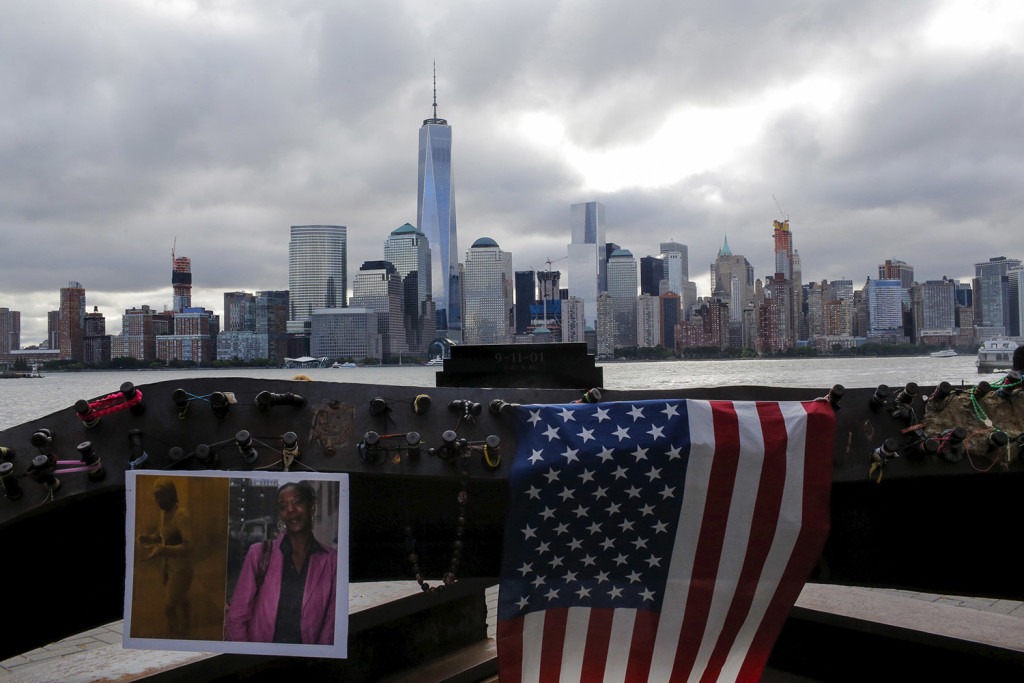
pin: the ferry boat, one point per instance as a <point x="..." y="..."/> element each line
<point x="996" y="354"/>
<point x="944" y="353"/>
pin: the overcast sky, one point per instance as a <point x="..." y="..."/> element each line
<point x="884" y="129"/>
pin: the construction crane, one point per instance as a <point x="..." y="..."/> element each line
<point x="785" y="216"/>
<point x="549" y="261"/>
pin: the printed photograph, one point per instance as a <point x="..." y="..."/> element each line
<point x="237" y="562"/>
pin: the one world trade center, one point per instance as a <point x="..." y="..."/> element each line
<point x="435" y="217"/>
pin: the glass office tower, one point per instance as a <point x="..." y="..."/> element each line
<point x="488" y="293"/>
<point x="435" y="217"/>
<point x="317" y="269"/>
<point x="991" y="296"/>
<point x="587" y="258"/>
<point x="622" y="285"/>
<point x="408" y="250"/>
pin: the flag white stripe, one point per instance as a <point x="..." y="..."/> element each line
<point x="575" y="643"/>
<point x="533" y="640"/>
<point x="619" y="644"/>
<point x="786" y="532"/>
<point x="680" y="571"/>
<point x="737" y="530"/>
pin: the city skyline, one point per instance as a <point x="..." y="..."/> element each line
<point x="894" y="308"/>
<point x="311" y="239"/>
<point x="871" y="125"/>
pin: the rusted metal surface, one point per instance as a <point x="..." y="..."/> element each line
<point x="927" y="524"/>
<point x="332" y="426"/>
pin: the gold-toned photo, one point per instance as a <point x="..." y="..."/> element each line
<point x="180" y="557"/>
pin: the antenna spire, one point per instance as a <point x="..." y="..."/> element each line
<point x="435" y="88"/>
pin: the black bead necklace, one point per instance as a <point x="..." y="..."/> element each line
<point x="460" y="528"/>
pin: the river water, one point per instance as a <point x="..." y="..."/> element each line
<point x="25" y="399"/>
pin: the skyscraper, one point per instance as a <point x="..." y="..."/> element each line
<point x="732" y="281"/>
<point x="727" y="268"/>
<point x="648" y="321"/>
<point x="572" y="320"/>
<point x="138" y="336"/>
<point x="895" y="269"/>
<point x="488" y="291"/>
<point x="95" y="342"/>
<point x="72" y="322"/>
<point x="787" y="267"/>
<point x="547" y="284"/>
<point x="840" y="290"/>
<point x="652" y="272"/>
<point x="435" y="215"/>
<point x="272" y="324"/>
<point x="254" y="326"/>
<point x="10" y="330"/>
<point x="938" y="300"/>
<point x="53" y="329"/>
<point x="1015" y="302"/>
<point x="669" y="316"/>
<point x="378" y="288"/>
<point x="587" y="258"/>
<point x="193" y="337"/>
<point x="622" y="285"/>
<point x="409" y="251"/>
<point x="181" y="282"/>
<point x="783" y="249"/>
<point x="345" y="333"/>
<point x="885" y="310"/>
<point x="677" y="265"/>
<point x="239" y="312"/>
<point x="605" y="326"/>
<point x="317" y="269"/>
<point x="547" y="312"/>
<point x="526" y="294"/>
<point x="771" y="303"/>
<point x="991" y="292"/>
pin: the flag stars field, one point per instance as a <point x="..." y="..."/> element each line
<point x="602" y="456"/>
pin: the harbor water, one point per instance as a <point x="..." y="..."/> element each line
<point x="26" y="399"/>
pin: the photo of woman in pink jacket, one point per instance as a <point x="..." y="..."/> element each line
<point x="287" y="588"/>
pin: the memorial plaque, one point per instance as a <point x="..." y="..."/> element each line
<point x="550" y="366"/>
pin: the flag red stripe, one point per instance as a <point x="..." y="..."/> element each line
<point x="599" y="631"/>
<point x="762" y="532"/>
<point x="510" y="649"/>
<point x="645" y="628"/>
<point x="553" y="643"/>
<point x="712" y="536"/>
<point x="810" y="541"/>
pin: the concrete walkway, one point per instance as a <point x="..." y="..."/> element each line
<point x="1010" y="608"/>
<point x="58" y="661"/>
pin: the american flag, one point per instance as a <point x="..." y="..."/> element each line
<point x="659" y="540"/>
